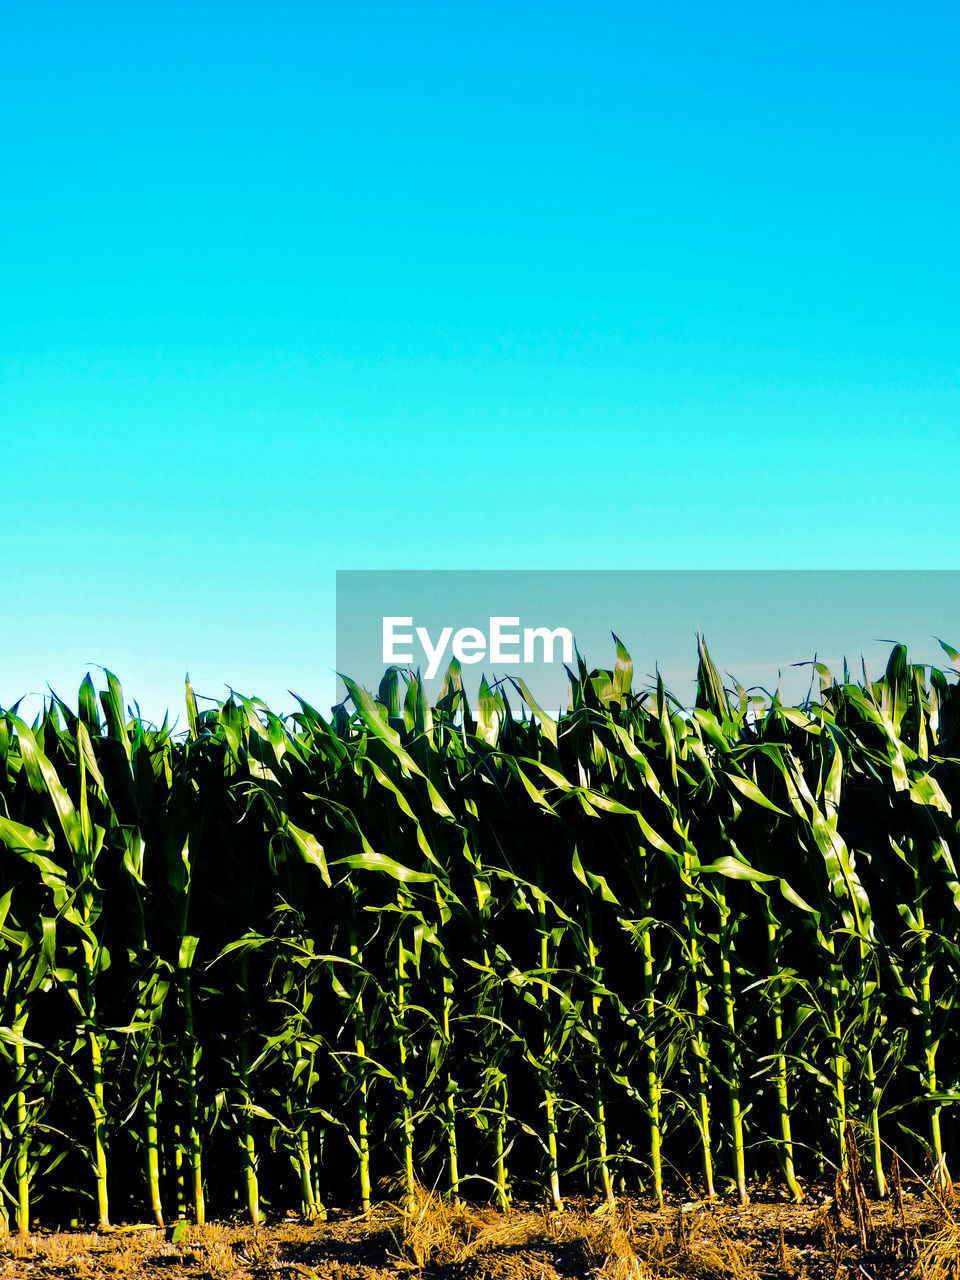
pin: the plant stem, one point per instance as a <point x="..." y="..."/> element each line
<point x="360" y="1049"/>
<point x="96" y="1101"/>
<point x="308" y="1197"/>
<point x="407" y="1119"/>
<point x="733" y="1065"/>
<point x="179" y="1172"/>
<point x="193" y="1130"/>
<point x="839" y="1063"/>
<point x="503" y="1198"/>
<point x="23" y="1137"/>
<point x="451" y="1093"/>
<point x="548" y="1061"/>
<point x="599" y="1110"/>
<point x="153" y="1154"/>
<point x="653" y="1076"/>
<point x="783" y="1093"/>
<point x="701" y="1009"/>
<point x="930" y="1048"/>
<point x="249" y="1143"/>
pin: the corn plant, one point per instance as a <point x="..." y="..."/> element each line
<point x="479" y="947"/>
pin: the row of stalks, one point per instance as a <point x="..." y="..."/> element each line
<point x="274" y="961"/>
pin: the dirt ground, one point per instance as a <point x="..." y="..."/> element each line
<point x="917" y="1240"/>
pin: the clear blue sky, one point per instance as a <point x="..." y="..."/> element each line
<point x="293" y="287"/>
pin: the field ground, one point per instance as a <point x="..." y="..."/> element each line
<point x="769" y="1241"/>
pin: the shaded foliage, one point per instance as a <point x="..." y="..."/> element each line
<point x="468" y="947"/>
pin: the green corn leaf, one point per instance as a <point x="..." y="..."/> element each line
<point x="380" y="862"/>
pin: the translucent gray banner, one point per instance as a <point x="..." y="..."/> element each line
<point x="764" y="628"/>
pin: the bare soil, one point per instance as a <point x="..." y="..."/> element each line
<point x="918" y="1240"/>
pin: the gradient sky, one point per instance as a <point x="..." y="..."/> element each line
<point x="293" y="287"/>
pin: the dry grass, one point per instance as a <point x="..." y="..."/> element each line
<point x="702" y="1248"/>
<point x="610" y="1247"/>
<point x="435" y="1233"/>
<point x="910" y="1239"/>
<point x="432" y="1229"/>
<point x="608" y="1242"/>
<point x="939" y="1257"/>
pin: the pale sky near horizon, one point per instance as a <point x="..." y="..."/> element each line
<point x="301" y="287"/>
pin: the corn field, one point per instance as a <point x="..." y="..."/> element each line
<point x="273" y="963"/>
